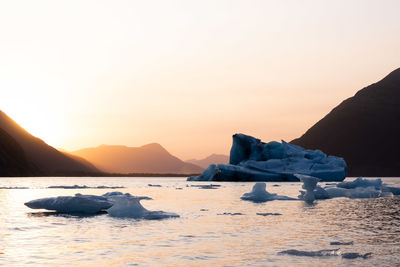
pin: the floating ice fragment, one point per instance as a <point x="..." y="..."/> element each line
<point x="259" y="194"/>
<point x="125" y="206"/>
<point x="232" y="214"/>
<point x="354" y="255"/>
<point x="325" y="253"/>
<point x="318" y="253"/>
<point x="268" y="214"/>
<point x="83" y="187"/>
<point x="117" y="193"/>
<point x="154" y="185"/>
<point x="207" y="186"/>
<point x="70" y="204"/>
<point x="14" y="187"/>
<point x="360" y="182"/>
<point x="309" y="184"/>
<point x="337" y="243"/>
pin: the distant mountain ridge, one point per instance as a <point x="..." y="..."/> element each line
<point x="363" y="129"/>
<point x="212" y="159"/>
<point x="150" y="158"/>
<point x="22" y="154"/>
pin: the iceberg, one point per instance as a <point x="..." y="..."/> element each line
<point x="71" y="204"/>
<point x="253" y="160"/>
<point x="259" y="194"/>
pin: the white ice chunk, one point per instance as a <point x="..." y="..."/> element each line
<point x="259" y="194"/>
<point x="125" y="206"/>
<point x="309" y="184"/>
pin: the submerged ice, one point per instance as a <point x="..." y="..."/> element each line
<point x="116" y="204"/>
<point x="253" y="160"/>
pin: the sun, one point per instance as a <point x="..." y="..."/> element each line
<point x="42" y="123"/>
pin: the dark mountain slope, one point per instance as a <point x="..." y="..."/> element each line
<point x="45" y="158"/>
<point x="363" y="129"/>
<point x="13" y="161"/>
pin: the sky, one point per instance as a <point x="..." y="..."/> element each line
<point x="187" y="74"/>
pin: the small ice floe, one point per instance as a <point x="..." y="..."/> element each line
<point x="359" y="188"/>
<point x="259" y="194"/>
<point x="337" y="243"/>
<point x="13" y="187"/>
<point x="154" y="185"/>
<point x="71" y="204"/>
<point x="326" y="253"/>
<point x="127" y="206"/>
<point x="207" y="186"/>
<point x="309" y="184"/>
<point x="230" y="213"/>
<point x="354" y="255"/>
<point x="318" y="253"/>
<point x="268" y="214"/>
<point x="360" y="182"/>
<point x="83" y="187"/>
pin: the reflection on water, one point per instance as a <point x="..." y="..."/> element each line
<point x="201" y="236"/>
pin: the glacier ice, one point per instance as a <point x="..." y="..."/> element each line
<point x="253" y="160"/>
<point x="259" y="194"/>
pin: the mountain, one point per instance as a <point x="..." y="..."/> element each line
<point x="13" y="161"/>
<point x="23" y="154"/>
<point x="212" y="159"/>
<point x="151" y="158"/>
<point x="363" y="129"/>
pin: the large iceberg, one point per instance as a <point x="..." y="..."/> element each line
<point x="253" y="160"/>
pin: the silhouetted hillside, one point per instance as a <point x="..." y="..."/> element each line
<point x="43" y="158"/>
<point x="151" y="158"/>
<point x="13" y="161"/>
<point x="363" y="129"/>
<point x="212" y="159"/>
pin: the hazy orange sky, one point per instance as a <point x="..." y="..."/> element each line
<point x="187" y="74"/>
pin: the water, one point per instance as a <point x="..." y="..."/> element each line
<point x="215" y="227"/>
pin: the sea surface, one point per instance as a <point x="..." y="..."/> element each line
<point x="215" y="227"/>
